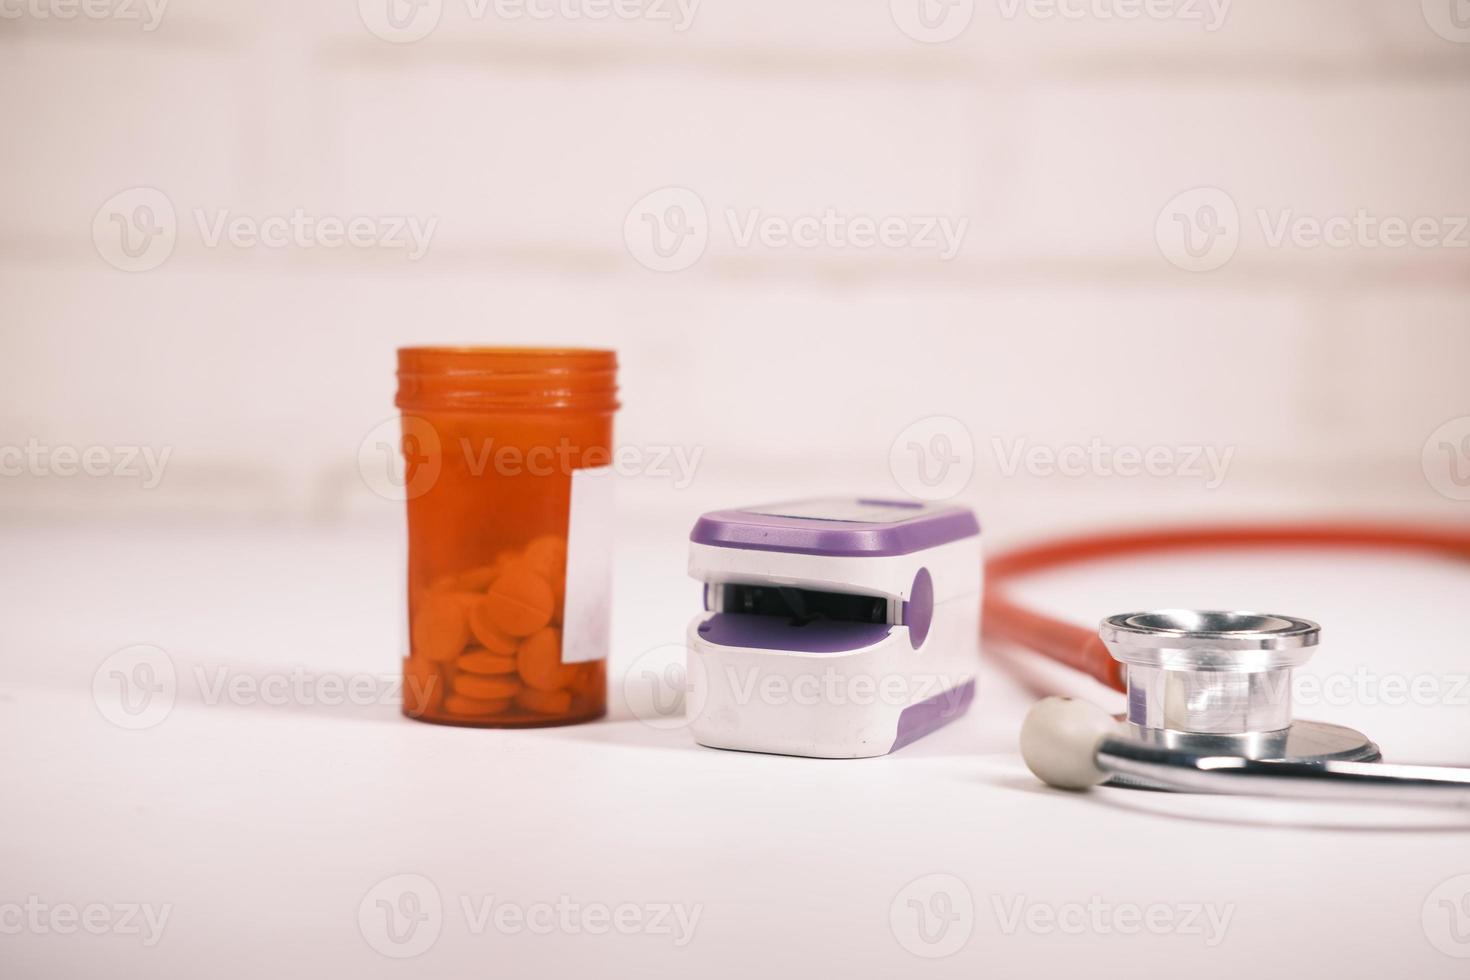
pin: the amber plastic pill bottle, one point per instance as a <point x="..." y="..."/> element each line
<point x="507" y="458"/>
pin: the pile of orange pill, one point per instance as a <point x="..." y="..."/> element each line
<point x="486" y="643"/>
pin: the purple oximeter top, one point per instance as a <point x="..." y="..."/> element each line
<point x="844" y="527"/>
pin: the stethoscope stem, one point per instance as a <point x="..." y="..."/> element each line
<point x="1363" y="782"/>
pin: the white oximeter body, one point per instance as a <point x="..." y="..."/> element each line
<point x="837" y="628"/>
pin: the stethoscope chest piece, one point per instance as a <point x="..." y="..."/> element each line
<point x="1209" y="711"/>
<point x="1212" y="683"/>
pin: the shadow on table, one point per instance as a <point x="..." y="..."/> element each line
<point x="1245" y="811"/>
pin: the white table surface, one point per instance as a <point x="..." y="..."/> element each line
<point x="263" y="830"/>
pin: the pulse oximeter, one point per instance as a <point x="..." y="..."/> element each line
<point x="836" y="628"/>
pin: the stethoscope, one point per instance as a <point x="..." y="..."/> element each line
<point x="1209" y="706"/>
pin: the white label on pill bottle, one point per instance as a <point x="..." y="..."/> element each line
<point x="587" y="618"/>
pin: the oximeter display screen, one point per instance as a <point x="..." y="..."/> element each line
<point x="846" y="509"/>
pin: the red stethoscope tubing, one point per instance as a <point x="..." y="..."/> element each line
<point x="1078" y="647"/>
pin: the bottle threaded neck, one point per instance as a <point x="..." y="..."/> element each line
<point x="507" y="379"/>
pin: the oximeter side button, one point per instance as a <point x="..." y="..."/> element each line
<point x="918" y="611"/>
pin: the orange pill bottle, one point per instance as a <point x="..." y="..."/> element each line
<point x="507" y="458"/>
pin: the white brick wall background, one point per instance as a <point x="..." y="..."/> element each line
<point x="1060" y="139"/>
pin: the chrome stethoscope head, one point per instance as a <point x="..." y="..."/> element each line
<point x="1209" y="710"/>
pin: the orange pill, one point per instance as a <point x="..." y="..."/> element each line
<point x="478" y="579"/>
<point x="457" y="705"/>
<point x="539" y="661"/>
<point x="441" y="584"/>
<point x="440" y="627"/>
<point x="588" y="678"/>
<point x="423" y="688"/>
<point x="520" y="602"/>
<point x="491" y="637"/>
<point x="483" y="688"/>
<point x="548" y="556"/>
<point x="469" y="600"/>
<point x="479" y="661"/>
<point x="544" y="702"/>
